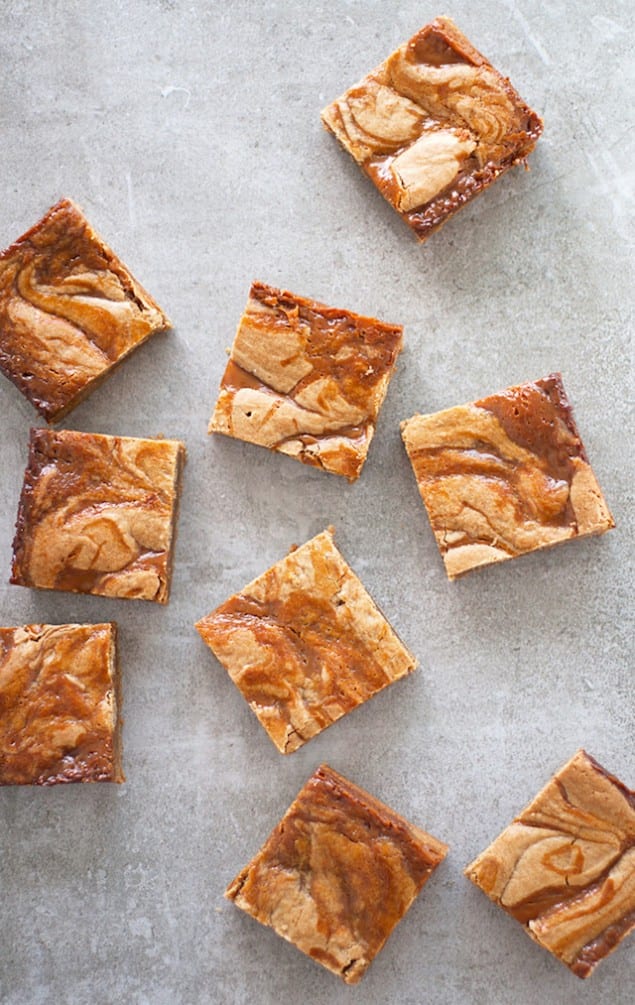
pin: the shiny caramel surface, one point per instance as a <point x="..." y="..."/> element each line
<point x="565" y="868"/>
<point x="505" y="475"/>
<point x="305" y="644"/>
<point x="59" y="705"/>
<point x="97" y="514"/>
<point x="433" y="125"/>
<point x="306" y="379"/>
<point x="69" y="311"/>
<point x="337" y="874"/>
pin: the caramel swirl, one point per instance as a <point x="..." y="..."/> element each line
<point x="433" y="125"/>
<point x="505" y="475"/>
<point x="59" y="705"/>
<point x="337" y="874"/>
<point x="306" y="380"/>
<point x="69" y="311"/>
<point x="305" y="643"/>
<point x="565" y="868"/>
<point x="97" y="514"/>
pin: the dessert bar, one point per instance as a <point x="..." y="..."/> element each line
<point x="565" y="868"/>
<point x="97" y="514"/>
<point x="337" y="874"/>
<point x="433" y="125"/>
<point x="59" y="705"/>
<point x="505" y="475"/>
<point x="306" y="380"/>
<point x="305" y="644"/>
<point x="69" y="311"/>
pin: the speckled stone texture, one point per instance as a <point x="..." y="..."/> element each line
<point x="190" y="134"/>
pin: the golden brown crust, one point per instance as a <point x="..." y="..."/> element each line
<point x="305" y="644"/>
<point x="69" y="311"/>
<point x="306" y="380"/>
<point x="59" y="705"/>
<point x="565" y="868"/>
<point x="97" y="514"/>
<point x="433" y="125"/>
<point x="337" y="874"/>
<point x="505" y="475"/>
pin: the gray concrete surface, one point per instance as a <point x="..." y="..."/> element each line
<point x="189" y="132"/>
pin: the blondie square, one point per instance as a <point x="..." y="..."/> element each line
<point x="433" y="125"/>
<point x="305" y="644"/>
<point x="69" y="311"/>
<point x="565" y="868"/>
<point x="306" y="380"/>
<point x="59" y="705"/>
<point x="337" y="874"/>
<point x="505" y="475"/>
<point x="97" y="514"/>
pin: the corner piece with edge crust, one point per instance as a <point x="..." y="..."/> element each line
<point x="337" y="874"/>
<point x="70" y="311"/>
<point x="433" y="126"/>
<point x="60" y="705"/>
<point x="565" y="868"/>
<point x="305" y="644"/>
<point x="97" y="514"/>
<point x="505" y="475"/>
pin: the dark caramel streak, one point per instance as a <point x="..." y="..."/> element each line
<point x="422" y="854"/>
<point x="427" y="218"/>
<point x="538" y="417"/>
<point x="505" y="477"/>
<point x="429" y="46"/>
<point x="60" y="228"/>
<point x="471" y="180"/>
<point x="289" y="307"/>
<point x="236" y="378"/>
<point x="441" y="462"/>
<point x="430" y="217"/>
<point x="27" y="508"/>
<point x="354" y="434"/>
<point x="372" y="346"/>
<point x="61" y="239"/>
<point x="555" y="897"/>
<point x="591" y="954"/>
<point x="85" y="580"/>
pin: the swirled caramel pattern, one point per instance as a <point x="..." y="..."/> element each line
<point x="305" y="644"/>
<point x="337" y="874"/>
<point x="433" y="125"/>
<point x="505" y="475"/>
<point x="59" y="704"/>
<point x="306" y="380"/>
<point x="565" y="868"/>
<point x="69" y="311"/>
<point x="97" y="514"/>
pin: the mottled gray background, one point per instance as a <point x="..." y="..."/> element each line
<point x="189" y="132"/>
